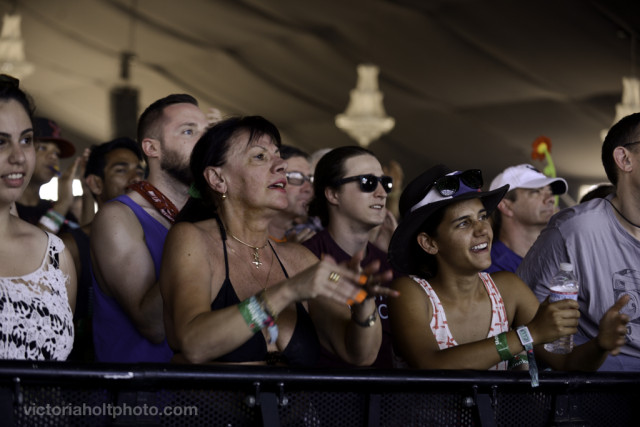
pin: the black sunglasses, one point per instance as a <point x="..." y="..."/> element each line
<point x="450" y="184"/>
<point x="298" y="178"/>
<point x="368" y="183"/>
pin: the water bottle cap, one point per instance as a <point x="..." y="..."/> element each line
<point x="566" y="266"/>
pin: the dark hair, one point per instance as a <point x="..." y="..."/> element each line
<point x="287" y="151"/>
<point x="427" y="262"/>
<point x="10" y="89"/>
<point x="97" y="158"/>
<point x="599" y="192"/>
<point x="148" y="121"/>
<point x="624" y="132"/>
<point x="211" y="150"/>
<point x="330" y="169"/>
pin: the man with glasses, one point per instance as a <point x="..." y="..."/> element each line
<point x="293" y="223"/>
<point x="350" y="197"/>
<point x="601" y="238"/>
<point x="522" y="214"/>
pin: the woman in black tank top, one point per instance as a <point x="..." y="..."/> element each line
<point x="230" y="293"/>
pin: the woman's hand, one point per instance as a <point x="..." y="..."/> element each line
<point x="554" y="320"/>
<point x="370" y="277"/>
<point x="342" y="283"/>
<point x="613" y="327"/>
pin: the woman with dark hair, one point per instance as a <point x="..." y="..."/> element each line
<point x="351" y="193"/>
<point x="233" y="295"/>
<point x="37" y="277"/>
<point x="449" y="314"/>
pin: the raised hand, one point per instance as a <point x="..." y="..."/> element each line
<point x="613" y="327"/>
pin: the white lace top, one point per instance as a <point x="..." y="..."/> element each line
<point x="36" y="322"/>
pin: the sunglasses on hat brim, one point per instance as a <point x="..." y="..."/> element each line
<point x="450" y="184"/>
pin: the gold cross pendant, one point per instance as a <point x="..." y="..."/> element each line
<point x="256" y="258"/>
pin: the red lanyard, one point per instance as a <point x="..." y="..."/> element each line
<point x="157" y="199"/>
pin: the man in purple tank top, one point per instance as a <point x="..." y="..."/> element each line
<point x="127" y="236"/>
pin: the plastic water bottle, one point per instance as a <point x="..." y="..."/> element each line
<point x="564" y="285"/>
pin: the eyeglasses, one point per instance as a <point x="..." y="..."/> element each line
<point x="628" y="144"/>
<point x="368" y="183"/>
<point x="298" y="178"/>
<point x="450" y="184"/>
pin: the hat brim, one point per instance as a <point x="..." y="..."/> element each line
<point x="67" y="149"/>
<point x="401" y="249"/>
<point x="558" y="185"/>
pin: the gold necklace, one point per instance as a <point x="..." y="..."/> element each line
<point x="266" y="282"/>
<point x="256" y="255"/>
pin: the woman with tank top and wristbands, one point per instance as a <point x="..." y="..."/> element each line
<point x="37" y="276"/>
<point x="233" y="295"/>
<point x="449" y="314"/>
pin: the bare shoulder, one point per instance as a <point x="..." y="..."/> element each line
<point x="406" y="284"/>
<point x="193" y="234"/>
<point x="411" y="295"/>
<point x="23" y="248"/>
<point x="294" y="256"/>
<point x="114" y="215"/>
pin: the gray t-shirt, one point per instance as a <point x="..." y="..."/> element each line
<point x="605" y="258"/>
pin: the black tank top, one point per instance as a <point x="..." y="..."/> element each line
<point x="304" y="345"/>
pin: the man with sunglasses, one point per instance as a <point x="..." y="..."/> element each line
<point x="522" y="214"/>
<point x="601" y="238"/>
<point x="350" y="197"/>
<point x="293" y="223"/>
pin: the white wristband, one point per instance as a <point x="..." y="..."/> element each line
<point x="49" y="224"/>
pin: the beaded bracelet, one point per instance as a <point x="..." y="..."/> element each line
<point x="262" y="297"/>
<point x="271" y="325"/>
<point x="502" y="346"/>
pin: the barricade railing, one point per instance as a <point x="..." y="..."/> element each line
<point x="62" y="393"/>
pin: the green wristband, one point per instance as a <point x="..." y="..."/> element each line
<point x="247" y="316"/>
<point x="503" y="346"/>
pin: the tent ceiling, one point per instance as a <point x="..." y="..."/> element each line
<point x="470" y="83"/>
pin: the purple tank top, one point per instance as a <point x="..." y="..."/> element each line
<point x="115" y="338"/>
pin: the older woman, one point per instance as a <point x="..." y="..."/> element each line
<point x="230" y="293"/>
<point x="452" y="316"/>
<point x="37" y="277"/>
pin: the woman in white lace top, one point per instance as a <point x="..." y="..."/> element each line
<point x="37" y="277"/>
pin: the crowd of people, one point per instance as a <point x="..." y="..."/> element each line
<point x="208" y="240"/>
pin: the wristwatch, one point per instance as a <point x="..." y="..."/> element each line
<point x="369" y="321"/>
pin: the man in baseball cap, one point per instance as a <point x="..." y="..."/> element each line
<point x="47" y="131"/>
<point x="50" y="148"/>
<point x="522" y="214"/>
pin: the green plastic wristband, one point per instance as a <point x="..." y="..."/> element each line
<point x="247" y="316"/>
<point x="503" y="346"/>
